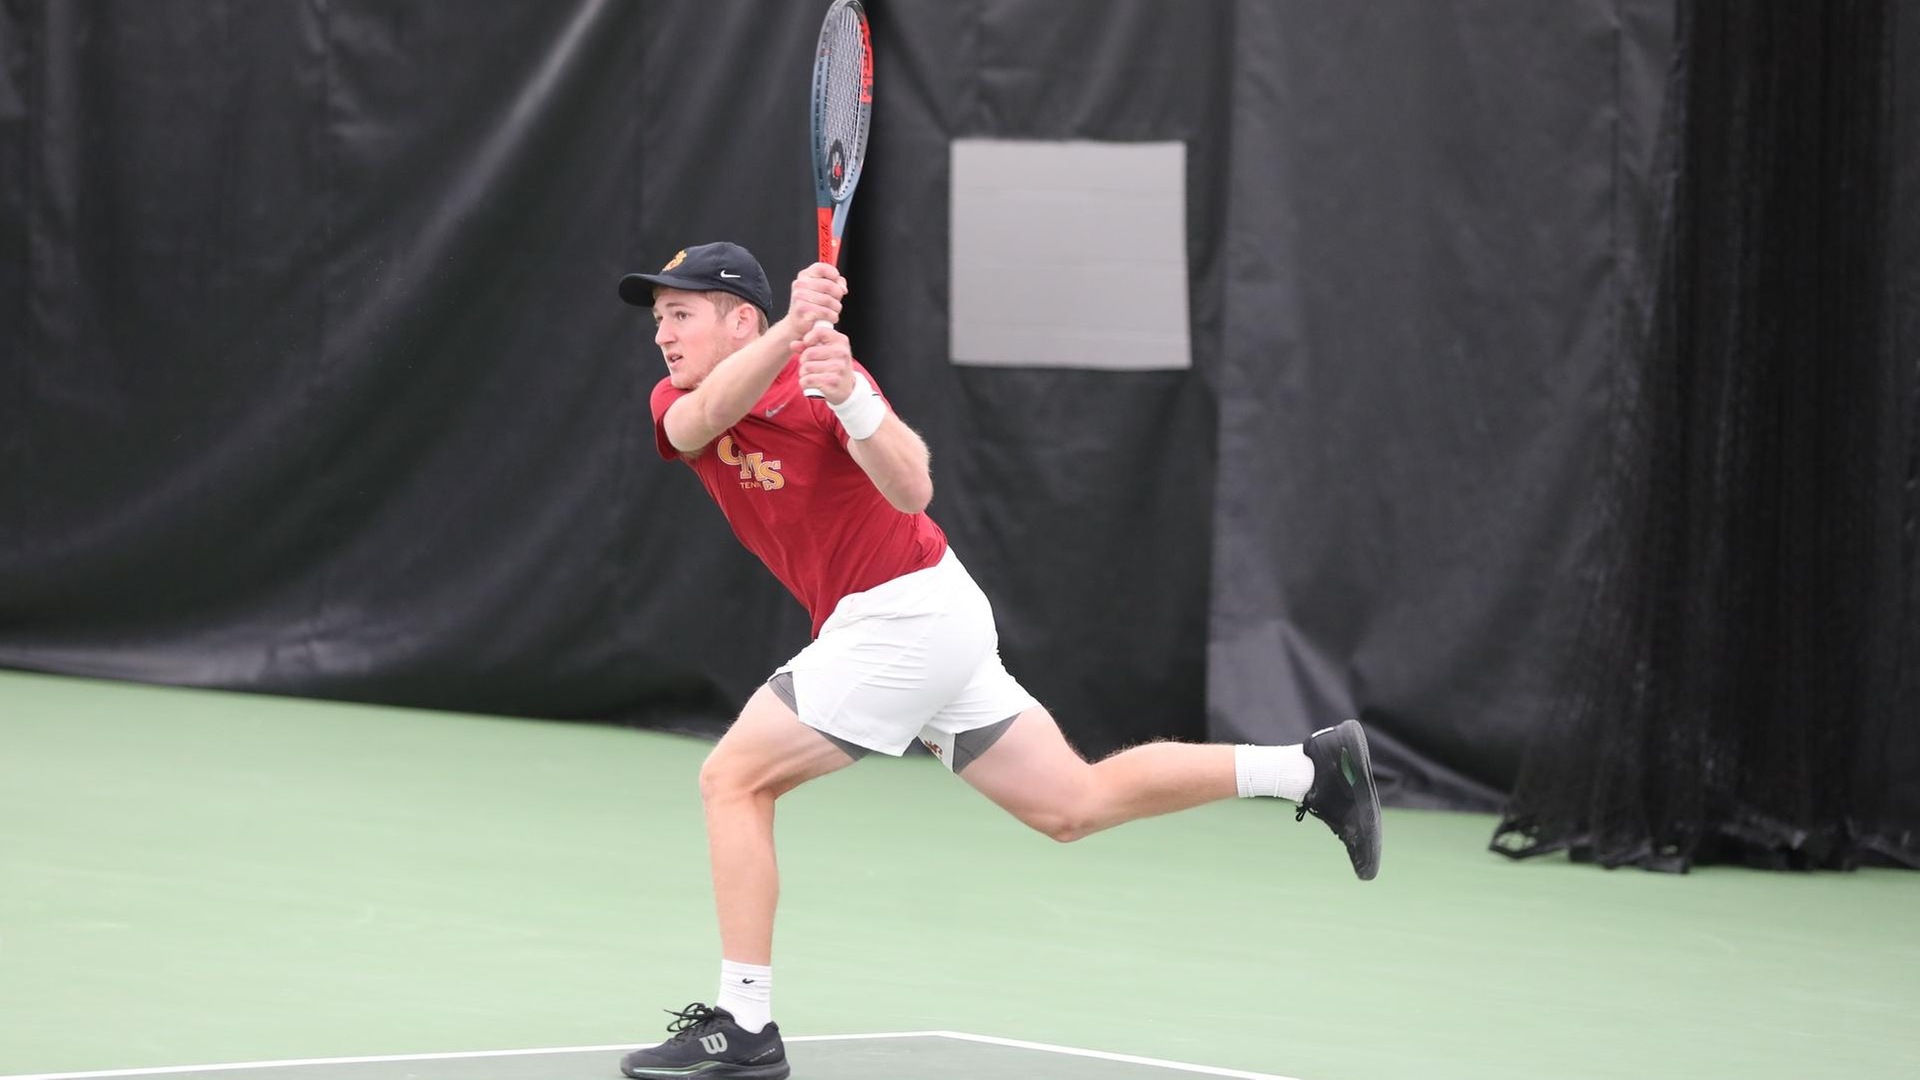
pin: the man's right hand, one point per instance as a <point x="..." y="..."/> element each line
<point x="816" y="296"/>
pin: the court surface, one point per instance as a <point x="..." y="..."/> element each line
<point x="880" y="1056"/>
<point x="315" y="890"/>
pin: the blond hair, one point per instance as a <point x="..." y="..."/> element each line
<point x="724" y="302"/>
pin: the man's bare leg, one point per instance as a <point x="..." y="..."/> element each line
<point x="765" y="754"/>
<point x="1035" y="775"/>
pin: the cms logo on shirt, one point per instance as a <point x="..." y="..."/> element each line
<point x="755" y="470"/>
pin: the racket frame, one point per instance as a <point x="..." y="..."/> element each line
<point x="830" y="207"/>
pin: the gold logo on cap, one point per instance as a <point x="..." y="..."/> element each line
<point x="675" y="261"/>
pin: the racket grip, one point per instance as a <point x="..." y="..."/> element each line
<point x="816" y="393"/>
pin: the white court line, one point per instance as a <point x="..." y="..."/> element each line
<point x="382" y="1058"/>
<point x="233" y="1066"/>
<point x="1103" y="1055"/>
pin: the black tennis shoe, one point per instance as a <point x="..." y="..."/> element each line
<point x="1343" y="794"/>
<point x="707" y="1043"/>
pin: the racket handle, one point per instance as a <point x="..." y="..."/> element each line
<point x="816" y="393"/>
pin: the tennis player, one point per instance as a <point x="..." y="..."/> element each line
<point x="831" y="493"/>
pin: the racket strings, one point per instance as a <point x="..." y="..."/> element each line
<point x="845" y="116"/>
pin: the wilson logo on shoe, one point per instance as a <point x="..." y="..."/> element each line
<point x="714" y="1044"/>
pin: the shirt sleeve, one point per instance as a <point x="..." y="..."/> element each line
<point x="664" y="395"/>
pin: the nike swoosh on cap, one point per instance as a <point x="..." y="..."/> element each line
<point x="724" y="274"/>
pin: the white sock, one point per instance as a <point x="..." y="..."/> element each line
<point x="1277" y="772"/>
<point x="746" y="991"/>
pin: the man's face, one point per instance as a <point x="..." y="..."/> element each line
<point x="692" y="335"/>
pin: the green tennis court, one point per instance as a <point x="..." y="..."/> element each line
<point x="333" y="891"/>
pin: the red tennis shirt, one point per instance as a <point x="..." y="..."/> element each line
<point x="796" y="498"/>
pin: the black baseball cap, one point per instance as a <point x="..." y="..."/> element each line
<point x="703" y="268"/>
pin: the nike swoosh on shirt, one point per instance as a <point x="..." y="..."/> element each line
<point x="776" y="409"/>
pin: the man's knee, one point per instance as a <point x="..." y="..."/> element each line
<point x="1066" y="828"/>
<point x="731" y="772"/>
<point x="724" y="776"/>
<point x="1064" y="820"/>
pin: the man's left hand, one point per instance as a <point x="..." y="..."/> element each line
<point x="826" y="363"/>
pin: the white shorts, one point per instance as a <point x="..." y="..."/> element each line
<point x="916" y="657"/>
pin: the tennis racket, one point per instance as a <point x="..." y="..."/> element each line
<point x="842" y="112"/>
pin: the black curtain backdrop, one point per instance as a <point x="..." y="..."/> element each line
<point x="313" y="379"/>
<point x="1902" y="752"/>
<point x="1744" y="688"/>
<point x="1429" y="228"/>
<point x="314" y="392"/>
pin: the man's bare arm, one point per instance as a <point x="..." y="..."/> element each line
<point x="896" y="460"/>
<point x="892" y="454"/>
<point x="726" y="394"/>
<point x="738" y="381"/>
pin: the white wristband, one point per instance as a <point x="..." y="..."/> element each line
<point x="863" y="411"/>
